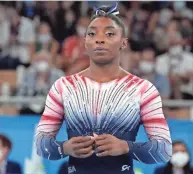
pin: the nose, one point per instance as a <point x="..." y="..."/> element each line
<point x="100" y="41"/>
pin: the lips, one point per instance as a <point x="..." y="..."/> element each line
<point x="100" y="49"/>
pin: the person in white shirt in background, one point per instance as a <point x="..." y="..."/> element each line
<point x="22" y="36"/>
<point x="4" y="29"/>
<point x="177" y="64"/>
<point x="37" y="80"/>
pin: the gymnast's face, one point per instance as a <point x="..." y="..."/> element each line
<point x="104" y="40"/>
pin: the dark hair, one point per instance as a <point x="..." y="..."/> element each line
<point x="109" y="12"/>
<point x="179" y="142"/>
<point x="169" y="167"/>
<point x="5" y="141"/>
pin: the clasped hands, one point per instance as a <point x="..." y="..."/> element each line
<point x="103" y="145"/>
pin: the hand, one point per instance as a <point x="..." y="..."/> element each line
<point x="79" y="147"/>
<point x="108" y="145"/>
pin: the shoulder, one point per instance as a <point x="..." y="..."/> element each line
<point x="13" y="165"/>
<point x="64" y="80"/>
<point x="137" y="81"/>
<point x="159" y="170"/>
<point x="142" y="83"/>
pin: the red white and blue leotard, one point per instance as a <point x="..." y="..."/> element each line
<point x="117" y="107"/>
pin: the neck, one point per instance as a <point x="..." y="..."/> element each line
<point x="104" y="73"/>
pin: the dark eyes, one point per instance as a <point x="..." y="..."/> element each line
<point x="110" y="34"/>
<point x="91" y="34"/>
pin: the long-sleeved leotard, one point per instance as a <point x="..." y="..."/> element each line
<point x="118" y="108"/>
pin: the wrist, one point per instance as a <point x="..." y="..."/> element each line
<point x="125" y="146"/>
<point x="65" y="148"/>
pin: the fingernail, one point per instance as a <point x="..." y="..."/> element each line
<point x="91" y="137"/>
<point x="95" y="135"/>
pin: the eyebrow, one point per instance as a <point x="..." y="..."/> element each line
<point x="108" y="27"/>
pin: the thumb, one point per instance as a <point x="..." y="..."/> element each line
<point x="95" y="135"/>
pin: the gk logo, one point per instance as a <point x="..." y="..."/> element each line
<point x="125" y="167"/>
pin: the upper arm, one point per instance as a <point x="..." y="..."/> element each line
<point x="53" y="115"/>
<point x="152" y="115"/>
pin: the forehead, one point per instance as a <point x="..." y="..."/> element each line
<point x="103" y="22"/>
<point x="179" y="147"/>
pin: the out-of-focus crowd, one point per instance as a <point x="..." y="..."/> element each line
<point x="42" y="41"/>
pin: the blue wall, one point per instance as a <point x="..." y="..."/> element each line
<point x="21" y="132"/>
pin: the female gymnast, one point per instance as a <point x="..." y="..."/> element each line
<point x="103" y="107"/>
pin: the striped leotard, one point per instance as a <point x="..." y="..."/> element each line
<point x="118" y="108"/>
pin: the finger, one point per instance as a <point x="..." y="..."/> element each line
<point x="80" y="139"/>
<point x="83" y="144"/>
<point x="102" y="154"/>
<point x="84" y="150"/>
<point x="103" y="148"/>
<point x="86" y="155"/>
<point x="102" y="137"/>
<point x="101" y="142"/>
<point x="95" y="135"/>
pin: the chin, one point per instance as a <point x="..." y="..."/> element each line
<point x="102" y="61"/>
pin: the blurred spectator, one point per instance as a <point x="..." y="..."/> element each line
<point x="4" y="29"/>
<point x="55" y="14"/>
<point x="186" y="29"/>
<point x="7" y="166"/>
<point x="181" y="9"/>
<point x="138" y="19"/>
<point x="177" y="65"/>
<point x="46" y="42"/>
<point x="73" y="47"/>
<point x="66" y="23"/>
<point x="37" y="81"/>
<point x="29" y="9"/>
<point x="164" y="37"/>
<point x="147" y="71"/>
<point x="180" y="161"/>
<point x="165" y="15"/>
<point x="135" y="59"/>
<point x="22" y="35"/>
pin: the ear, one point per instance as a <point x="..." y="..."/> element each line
<point x="85" y="45"/>
<point x="124" y="43"/>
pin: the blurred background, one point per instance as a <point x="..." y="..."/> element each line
<point x="42" y="41"/>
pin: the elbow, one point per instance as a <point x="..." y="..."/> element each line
<point x="166" y="153"/>
<point x="169" y="152"/>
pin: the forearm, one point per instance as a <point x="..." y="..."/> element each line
<point x="49" y="148"/>
<point x="152" y="152"/>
